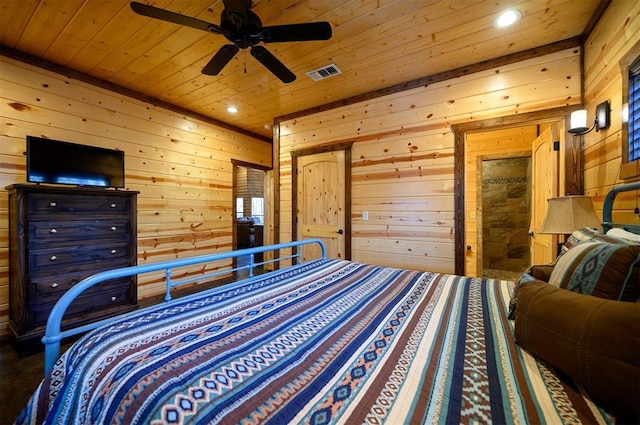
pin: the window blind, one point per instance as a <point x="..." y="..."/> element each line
<point x="634" y="111"/>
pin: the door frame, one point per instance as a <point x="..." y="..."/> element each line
<point x="234" y="194"/>
<point x="573" y="164"/>
<point x="344" y="146"/>
<point x="479" y="199"/>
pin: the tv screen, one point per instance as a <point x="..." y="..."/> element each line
<point x="54" y="161"/>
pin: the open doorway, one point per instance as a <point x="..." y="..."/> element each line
<point x="249" y="208"/>
<point x="506" y="216"/>
<point x="470" y="144"/>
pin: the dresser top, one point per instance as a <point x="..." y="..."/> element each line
<point x="84" y="190"/>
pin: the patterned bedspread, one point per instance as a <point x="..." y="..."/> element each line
<point x="325" y="342"/>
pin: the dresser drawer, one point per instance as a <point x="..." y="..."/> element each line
<point x="48" y="284"/>
<point x="68" y="259"/>
<point x="55" y="233"/>
<point x="54" y="203"/>
<point x="91" y="302"/>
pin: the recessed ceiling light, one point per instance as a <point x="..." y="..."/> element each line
<point x="507" y="18"/>
<point x="232" y="109"/>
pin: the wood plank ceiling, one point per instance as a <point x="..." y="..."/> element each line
<point x="376" y="44"/>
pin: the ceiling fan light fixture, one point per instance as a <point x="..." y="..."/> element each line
<point x="232" y="109"/>
<point x="507" y="18"/>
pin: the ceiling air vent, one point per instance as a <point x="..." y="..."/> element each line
<point x="324" y="72"/>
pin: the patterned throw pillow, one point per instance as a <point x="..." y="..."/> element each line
<point x="589" y="235"/>
<point x="617" y="232"/>
<point x="605" y="270"/>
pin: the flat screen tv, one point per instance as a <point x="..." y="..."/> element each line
<point x="54" y="161"/>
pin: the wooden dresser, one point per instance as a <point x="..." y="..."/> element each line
<point x="59" y="236"/>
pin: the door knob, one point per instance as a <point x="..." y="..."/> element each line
<point x="340" y="232"/>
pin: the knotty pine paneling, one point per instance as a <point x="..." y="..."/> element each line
<point x="376" y="44"/>
<point x="614" y="36"/>
<point x="508" y="90"/>
<point x="180" y="165"/>
<point x="403" y="154"/>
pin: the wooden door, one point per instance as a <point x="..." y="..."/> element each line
<point x="544" y="186"/>
<point x="321" y="202"/>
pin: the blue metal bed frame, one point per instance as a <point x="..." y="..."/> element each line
<point x="607" y="208"/>
<point x="53" y="334"/>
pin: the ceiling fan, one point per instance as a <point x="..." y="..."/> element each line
<point x="244" y="29"/>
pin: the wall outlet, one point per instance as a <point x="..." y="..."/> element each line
<point x="365" y="215"/>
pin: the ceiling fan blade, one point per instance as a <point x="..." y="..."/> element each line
<point x="296" y="32"/>
<point x="224" y="55"/>
<point x="176" y="18"/>
<point x="272" y="64"/>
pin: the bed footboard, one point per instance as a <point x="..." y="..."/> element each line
<point x="54" y="335"/>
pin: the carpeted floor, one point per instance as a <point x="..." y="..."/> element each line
<point x="501" y="274"/>
<point x="19" y="377"/>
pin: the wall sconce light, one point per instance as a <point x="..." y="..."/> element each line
<point x="601" y="122"/>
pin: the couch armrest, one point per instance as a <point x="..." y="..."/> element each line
<point x="541" y="272"/>
<point x="595" y="341"/>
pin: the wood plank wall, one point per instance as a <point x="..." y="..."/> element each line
<point x="402" y="158"/>
<point x="616" y="34"/>
<point x="181" y="166"/>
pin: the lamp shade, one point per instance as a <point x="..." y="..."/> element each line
<point x="578" y="121"/>
<point x="568" y="213"/>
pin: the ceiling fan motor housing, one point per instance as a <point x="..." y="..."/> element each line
<point x="243" y="31"/>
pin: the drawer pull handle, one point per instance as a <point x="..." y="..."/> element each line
<point x="112" y="205"/>
<point x="54" y="285"/>
<point x="113" y="299"/>
<point x="53" y="204"/>
<point x="53" y="258"/>
<point x="54" y="231"/>
<point x="113" y="251"/>
<point x="113" y="228"/>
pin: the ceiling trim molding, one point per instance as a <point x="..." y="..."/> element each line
<point x="574" y="42"/>
<point x="595" y="18"/>
<point x="76" y="75"/>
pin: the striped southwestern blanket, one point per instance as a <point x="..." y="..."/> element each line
<point x="325" y="342"/>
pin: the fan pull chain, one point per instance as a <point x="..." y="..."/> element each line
<point x="245" y="61"/>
